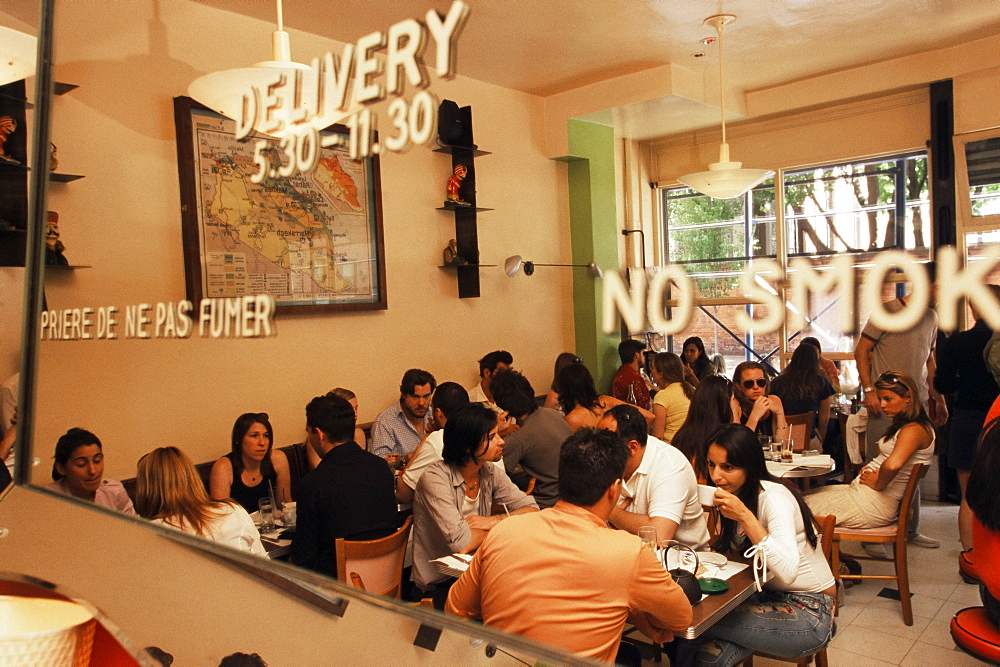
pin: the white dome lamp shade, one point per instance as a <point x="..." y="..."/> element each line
<point x="724" y="179"/>
<point x="17" y="55"/>
<point x="223" y="92"/>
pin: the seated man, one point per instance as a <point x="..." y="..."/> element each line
<point x="482" y="392"/>
<point x="628" y="384"/>
<point x="534" y="447"/>
<point x="561" y="576"/>
<point x="448" y="397"/>
<point x="399" y="428"/>
<point x="661" y="488"/>
<point x="348" y="495"/>
<point x="452" y="506"/>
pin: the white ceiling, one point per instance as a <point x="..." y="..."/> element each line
<point x="549" y="46"/>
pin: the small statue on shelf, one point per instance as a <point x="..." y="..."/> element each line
<point x="53" y="161"/>
<point x="454" y="183"/>
<point x="7" y="127"/>
<point x="53" y="246"/>
<point x="451" y="257"/>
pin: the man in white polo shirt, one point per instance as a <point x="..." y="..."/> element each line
<point x="660" y="486"/>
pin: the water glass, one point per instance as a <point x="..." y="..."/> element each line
<point x="265" y="509"/>
<point x="288" y="513"/>
<point x="648" y="536"/>
<point x="765" y="444"/>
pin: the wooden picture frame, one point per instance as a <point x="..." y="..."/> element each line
<point x="312" y="241"/>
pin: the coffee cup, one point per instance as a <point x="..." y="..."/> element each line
<point x="706" y="495"/>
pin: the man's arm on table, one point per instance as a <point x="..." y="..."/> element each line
<point x="625" y="520"/>
<point x="657" y="605"/>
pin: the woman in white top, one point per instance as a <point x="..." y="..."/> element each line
<point x="873" y="498"/>
<point x="793" y="615"/>
<point x="170" y="492"/>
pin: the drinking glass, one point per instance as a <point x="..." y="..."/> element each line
<point x="265" y="507"/>
<point x="765" y="444"/>
<point x="648" y="536"/>
<point x="786" y="450"/>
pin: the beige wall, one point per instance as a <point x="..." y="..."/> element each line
<point x="123" y="219"/>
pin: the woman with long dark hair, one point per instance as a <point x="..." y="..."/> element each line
<point x="873" y="498"/>
<point x="792" y="614"/>
<point x="672" y="401"/>
<point x="983" y="492"/>
<point x="252" y="469"/>
<point x="803" y="388"/>
<point x="712" y="407"/>
<point x="759" y="411"/>
<point x="562" y="361"/>
<point x="581" y="403"/>
<point x="169" y="491"/>
<point x="697" y="365"/>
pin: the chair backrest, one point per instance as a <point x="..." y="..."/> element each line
<point x="374" y="565"/>
<point x="825" y="526"/>
<point x="918" y="472"/>
<point x="800" y="429"/>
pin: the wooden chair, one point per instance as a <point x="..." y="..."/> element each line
<point x="825" y="527"/>
<point x="894" y="534"/>
<point x="800" y="429"/>
<point x="374" y="565"/>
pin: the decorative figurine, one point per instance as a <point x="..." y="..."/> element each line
<point x="53" y="246"/>
<point x="7" y="127"/>
<point x="53" y="162"/>
<point x="454" y="183"/>
<point x="451" y="257"/>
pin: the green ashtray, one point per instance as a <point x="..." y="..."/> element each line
<point x="711" y="586"/>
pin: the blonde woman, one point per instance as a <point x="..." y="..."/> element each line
<point x="671" y="403"/>
<point x="169" y="492"/>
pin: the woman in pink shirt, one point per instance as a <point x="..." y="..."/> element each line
<point x="78" y="471"/>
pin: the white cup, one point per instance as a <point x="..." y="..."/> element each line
<point x="288" y="510"/>
<point x="706" y="495"/>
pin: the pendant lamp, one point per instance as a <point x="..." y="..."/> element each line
<point x="17" y="55"/>
<point x="223" y="91"/>
<point x="724" y="179"/>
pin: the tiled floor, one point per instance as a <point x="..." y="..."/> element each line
<point x="870" y="629"/>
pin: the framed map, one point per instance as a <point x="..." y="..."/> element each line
<point x="312" y="241"/>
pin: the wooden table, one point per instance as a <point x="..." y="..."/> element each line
<point x="712" y="608"/>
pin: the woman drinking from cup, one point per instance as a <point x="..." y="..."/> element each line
<point x="79" y="471"/>
<point x="170" y="492"/>
<point x="792" y="614"/>
<point x="873" y="498"/>
<point x="252" y="469"/>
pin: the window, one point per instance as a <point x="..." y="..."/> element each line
<point x="855" y="207"/>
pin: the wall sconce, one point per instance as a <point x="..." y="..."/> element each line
<point x="514" y="263"/>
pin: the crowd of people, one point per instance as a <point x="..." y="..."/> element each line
<point x="550" y="496"/>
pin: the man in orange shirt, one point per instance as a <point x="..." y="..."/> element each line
<point x="562" y="576"/>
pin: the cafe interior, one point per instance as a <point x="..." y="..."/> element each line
<point x="590" y="117"/>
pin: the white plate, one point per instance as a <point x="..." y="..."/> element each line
<point x="712" y="558"/>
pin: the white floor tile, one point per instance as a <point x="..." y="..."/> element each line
<point x="867" y="642"/>
<point x="841" y="658"/>
<point x="928" y="655"/>
<point x="888" y="620"/>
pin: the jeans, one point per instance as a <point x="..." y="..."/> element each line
<point x="790" y="625"/>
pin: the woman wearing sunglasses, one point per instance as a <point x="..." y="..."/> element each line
<point x="760" y="412"/>
<point x="872" y="499"/>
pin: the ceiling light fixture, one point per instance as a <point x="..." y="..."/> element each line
<point x="223" y="91"/>
<point x="724" y="179"/>
<point x="17" y="55"/>
<point x="514" y="263"/>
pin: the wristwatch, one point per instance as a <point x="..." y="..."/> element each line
<point x="868" y="390"/>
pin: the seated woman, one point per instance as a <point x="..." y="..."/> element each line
<point x="759" y="412"/>
<point x="793" y="615"/>
<point x="581" y="403"/>
<point x="801" y="387"/>
<point x="359" y="435"/>
<point x="562" y="361"/>
<point x="712" y="407"/>
<point x="873" y="498"/>
<point x="671" y="403"/>
<point x="79" y="471"/>
<point x="697" y="365"/>
<point x="983" y="497"/>
<point x="827" y="367"/>
<point x="252" y="470"/>
<point x="453" y="499"/>
<point x="169" y="492"/>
